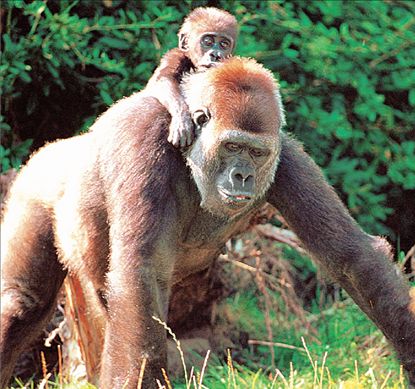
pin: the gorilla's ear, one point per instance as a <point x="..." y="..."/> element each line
<point x="183" y="42"/>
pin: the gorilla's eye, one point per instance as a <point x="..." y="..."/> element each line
<point x="225" y="44"/>
<point x="257" y="153"/>
<point x="201" y="117"/>
<point x="208" y="40"/>
<point x="232" y="147"/>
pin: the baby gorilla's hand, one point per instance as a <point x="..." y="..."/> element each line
<point x="181" y="131"/>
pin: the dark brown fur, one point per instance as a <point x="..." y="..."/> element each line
<point x="123" y="212"/>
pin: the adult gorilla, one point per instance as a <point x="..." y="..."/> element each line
<point x="119" y="208"/>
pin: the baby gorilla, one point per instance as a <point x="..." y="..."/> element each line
<point x="207" y="37"/>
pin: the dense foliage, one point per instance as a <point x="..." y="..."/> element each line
<point x="347" y="72"/>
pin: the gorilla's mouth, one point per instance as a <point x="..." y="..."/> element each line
<point x="210" y="64"/>
<point x="234" y="198"/>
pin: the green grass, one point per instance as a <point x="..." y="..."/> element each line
<point x="347" y="351"/>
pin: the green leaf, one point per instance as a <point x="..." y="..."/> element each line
<point x="53" y="71"/>
<point x="114" y="43"/>
<point x="25" y="76"/>
<point x="411" y="97"/>
<point x="106" y="97"/>
<point x="4" y="152"/>
<point x="8" y="44"/>
<point x="290" y="53"/>
<point x="344" y="133"/>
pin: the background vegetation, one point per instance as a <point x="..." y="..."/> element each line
<point x="347" y="73"/>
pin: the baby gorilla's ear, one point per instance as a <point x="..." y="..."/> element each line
<point x="183" y="42"/>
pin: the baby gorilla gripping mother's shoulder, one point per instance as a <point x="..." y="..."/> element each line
<point x="131" y="216"/>
<point x="207" y="37"/>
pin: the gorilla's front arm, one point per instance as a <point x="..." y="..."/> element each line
<point x="360" y="263"/>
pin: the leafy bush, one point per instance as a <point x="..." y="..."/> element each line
<point x="346" y="68"/>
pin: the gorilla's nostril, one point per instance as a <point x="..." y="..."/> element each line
<point x="239" y="177"/>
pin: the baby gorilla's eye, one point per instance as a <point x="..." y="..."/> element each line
<point x="201" y="117"/>
<point x="208" y="40"/>
<point x="225" y="44"/>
